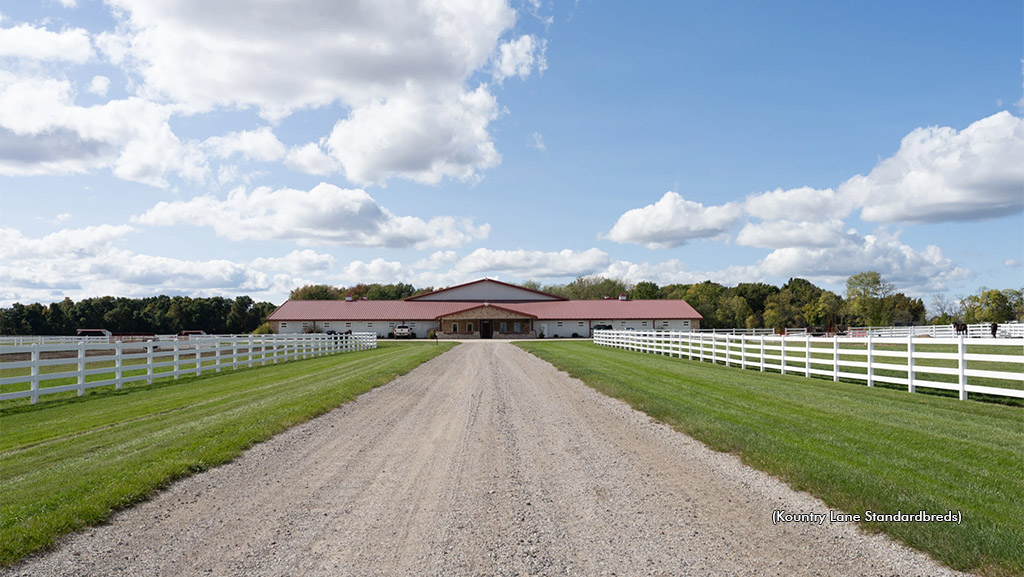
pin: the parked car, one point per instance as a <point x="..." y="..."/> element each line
<point x="602" y="327"/>
<point x="403" y="332"/>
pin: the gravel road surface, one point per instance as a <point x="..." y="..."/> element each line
<point x="484" y="461"/>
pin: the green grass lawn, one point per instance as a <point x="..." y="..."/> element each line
<point x="855" y="448"/>
<point x="67" y="463"/>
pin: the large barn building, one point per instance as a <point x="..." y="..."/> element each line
<point x="485" y="309"/>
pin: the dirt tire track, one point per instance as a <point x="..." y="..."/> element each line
<point x="484" y="461"/>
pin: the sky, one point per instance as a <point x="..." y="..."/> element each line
<point x="209" y="148"/>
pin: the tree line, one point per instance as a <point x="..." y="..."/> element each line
<point x="870" y="300"/>
<point x="151" y="315"/>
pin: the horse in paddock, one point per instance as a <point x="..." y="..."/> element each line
<point x="960" y="328"/>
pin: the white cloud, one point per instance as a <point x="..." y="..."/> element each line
<point x="786" y="233"/>
<point x="400" y="72"/>
<point x="31" y="43"/>
<point x="675" y="271"/>
<point x="259" y="144"/>
<point x="804" y="204"/>
<point x="44" y="132"/>
<point x="1011" y="263"/>
<point x="437" y="260"/>
<point x="325" y="214"/>
<point x="99" y="85"/>
<point x="377" y="270"/>
<point x="941" y="174"/>
<point x="533" y="263"/>
<point x="88" y="262"/>
<point x="519" y="57"/>
<point x="917" y="271"/>
<point x="538" y="141"/>
<point x="310" y="159"/>
<point x="672" y="221"/>
<point x="417" y="136"/>
<point x="296" y="262"/>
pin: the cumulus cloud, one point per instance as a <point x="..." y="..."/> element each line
<point x="44" y="132"/>
<point x="917" y="271"/>
<point x="798" y="204"/>
<point x="940" y="174"/>
<point x="259" y="144"/>
<point x="310" y="159"/>
<point x="296" y="262"/>
<point x="417" y="136"/>
<point x="672" y="221"/>
<point x="89" y="262"/>
<point x="99" y="85"/>
<point x="31" y="43"/>
<point x="325" y="214"/>
<point x="519" y="57"/>
<point x="787" y="233"/>
<point x="533" y="263"/>
<point x="400" y="73"/>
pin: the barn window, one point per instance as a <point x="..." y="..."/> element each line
<point x="391" y="325"/>
<point x="305" y="324"/>
<point x="643" y="324"/>
<point x="283" y="325"/>
<point x="455" y="327"/>
<point x="504" y="327"/>
<point x="580" y="324"/>
<point x="559" y="323"/>
<point x="518" y="327"/>
<point x="348" y="325"/>
<point x="369" y="325"/>
<point x="327" y="325"/>
<point x="469" y="327"/>
<point x="413" y="325"/>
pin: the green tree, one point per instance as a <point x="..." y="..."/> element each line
<point x="315" y="292"/>
<point x="864" y="297"/>
<point x="646" y="290"/>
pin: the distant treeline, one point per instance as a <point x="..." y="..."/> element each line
<point x="870" y="301"/>
<point x="157" y="315"/>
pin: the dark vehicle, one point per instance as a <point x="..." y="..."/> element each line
<point x="602" y="327"/>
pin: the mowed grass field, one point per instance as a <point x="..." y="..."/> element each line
<point x="69" y="463"/>
<point x="856" y="448"/>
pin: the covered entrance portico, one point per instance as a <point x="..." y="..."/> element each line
<point x="486" y="322"/>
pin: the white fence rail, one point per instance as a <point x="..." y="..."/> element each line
<point x="980" y="330"/>
<point x="901" y="361"/>
<point x="119" y="362"/>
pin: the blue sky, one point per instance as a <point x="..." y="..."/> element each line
<point x="218" y="148"/>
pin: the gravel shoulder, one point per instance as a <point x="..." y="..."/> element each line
<point x="483" y="461"/>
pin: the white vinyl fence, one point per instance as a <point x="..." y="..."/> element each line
<point x="27" y="367"/>
<point x="976" y="365"/>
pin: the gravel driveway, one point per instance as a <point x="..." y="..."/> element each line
<point x="483" y="461"/>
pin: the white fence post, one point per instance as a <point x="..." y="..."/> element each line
<point x="910" y="364"/>
<point x="762" y="353"/>
<point x="835" y="358"/>
<point x="743" y="352"/>
<point x="81" y="368"/>
<point x="807" y="358"/>
<point x="34" y="374"/>
<point x="150" y="345"/>
<point x="962" y="367"/>
<point x="177" y="359"/>
<point x="118" y="363"/>
<point x="871" y="362"/>
<point x="782" y="342"/>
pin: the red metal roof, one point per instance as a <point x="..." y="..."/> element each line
<point x="360" y="310"/>
<point x="483" y="280"/>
